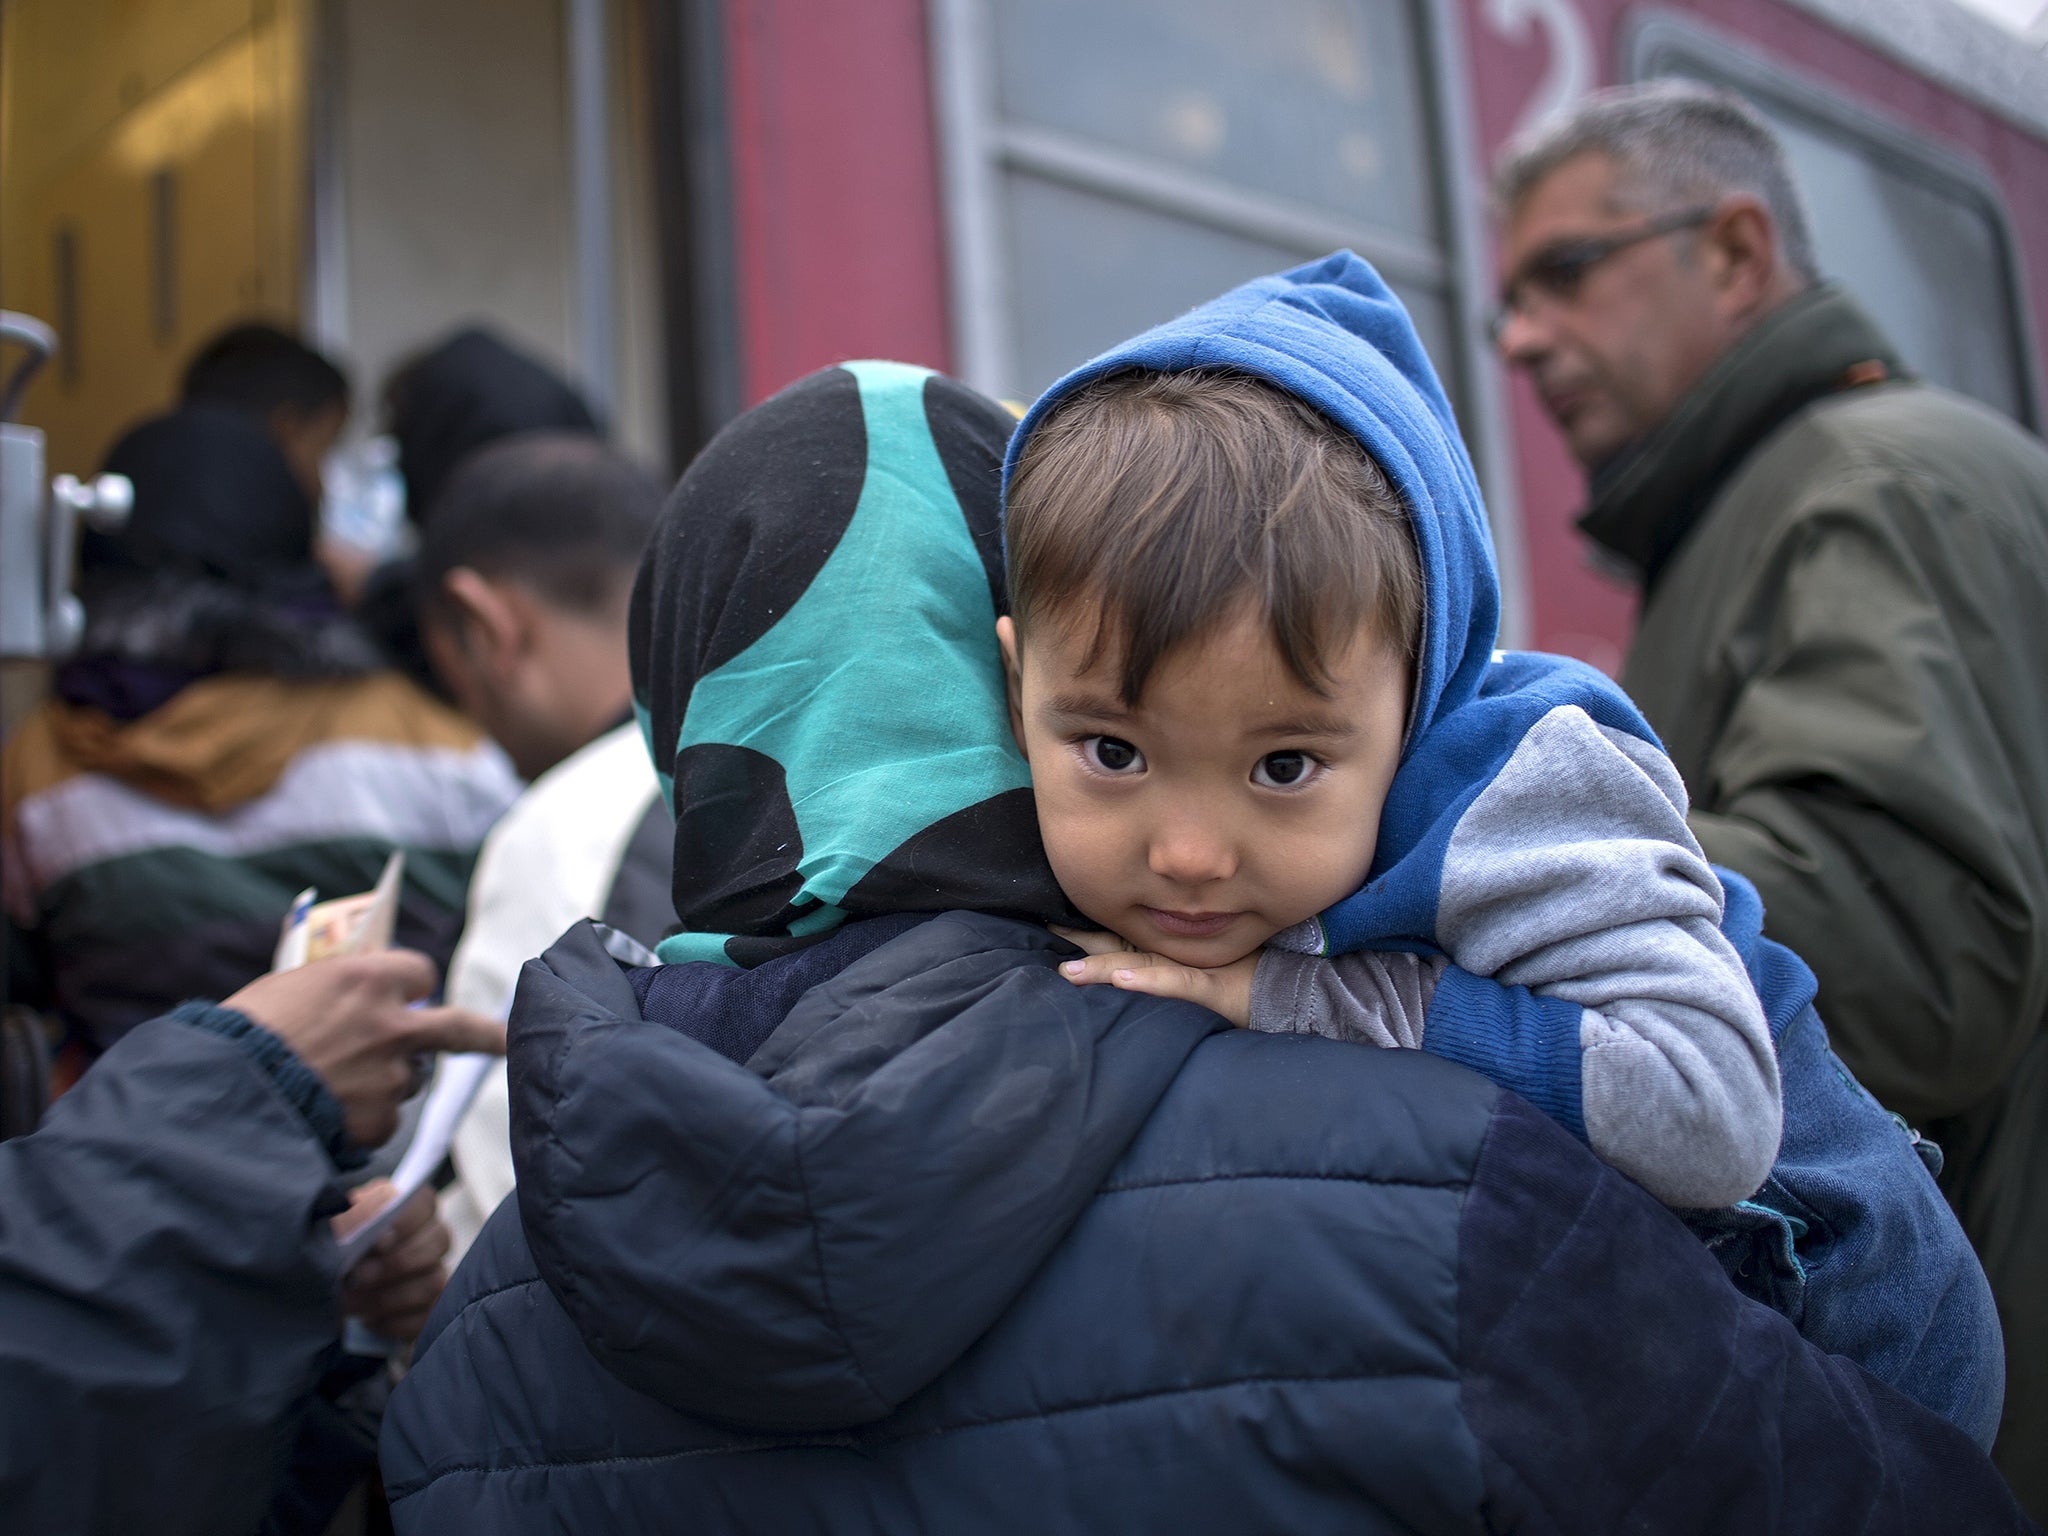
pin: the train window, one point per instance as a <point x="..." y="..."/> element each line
<point x="1309" y="100"/>
<point x="1919" y="236"/>
<point x="1108" y="166"/>
<point x="1087" y="271"/>
<point x="1111" y="165"/>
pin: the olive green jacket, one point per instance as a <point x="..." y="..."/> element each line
<point x="1844" y="644"/>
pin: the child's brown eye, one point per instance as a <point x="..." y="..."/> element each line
<point x="1282" y="770"/>
<point x="1113" y="755"/>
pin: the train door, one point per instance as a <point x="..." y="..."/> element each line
<point x="153" y="191"/>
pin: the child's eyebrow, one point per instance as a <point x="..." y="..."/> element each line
<point x="1094" y="706"/>
<point x="1320" y="727"/>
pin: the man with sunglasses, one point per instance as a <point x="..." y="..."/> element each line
<point x="1843" y="637"/>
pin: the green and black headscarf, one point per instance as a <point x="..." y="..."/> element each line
<point x="815" y="669"/>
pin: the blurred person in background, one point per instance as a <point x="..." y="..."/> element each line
<point x="526" y="573"/>
<point x="170" y="1285"/>
<point x="524" y="577"/>
<point x="466" y="391"/>
<point x="1842" y="631"/>
<point x="223" y="738"/>
<point x="299" y="397"/>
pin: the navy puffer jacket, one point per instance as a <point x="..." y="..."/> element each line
<point x="964" y="1248"/>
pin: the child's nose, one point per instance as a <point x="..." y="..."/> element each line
<point x="1189" y="854"/>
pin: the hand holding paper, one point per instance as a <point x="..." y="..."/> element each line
<point x="353" y="1010"/>
<point x="454" y="1087"/>
<point x="353" y="1021"/>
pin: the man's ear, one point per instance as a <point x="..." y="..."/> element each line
<point x="443" y="640"/>
<point x="1013" y="676"/>
<point x="493" y="625"/>
<point x="1741" y="246"/>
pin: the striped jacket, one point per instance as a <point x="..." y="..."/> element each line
<point x="152" y="860"/>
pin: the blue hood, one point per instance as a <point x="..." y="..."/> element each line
<point x="1332" y="333"/>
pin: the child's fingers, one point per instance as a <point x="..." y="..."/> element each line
<point x="1226" y="990"/>
<point x="1099" y="969"/>
<point x="1183" y="982"/>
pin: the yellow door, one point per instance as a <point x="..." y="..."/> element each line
<point x="152" y="189"/>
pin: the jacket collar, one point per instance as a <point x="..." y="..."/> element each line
<point x="1648" y="497"/>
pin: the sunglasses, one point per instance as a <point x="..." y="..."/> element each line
<point x="1555" y="273"/>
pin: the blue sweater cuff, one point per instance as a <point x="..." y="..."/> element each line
<point x="1509" y="1034"/>
<point x="299" y="1083"/>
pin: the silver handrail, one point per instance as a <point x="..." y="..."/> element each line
<point x="41" y="342"/>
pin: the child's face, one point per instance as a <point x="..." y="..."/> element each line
<point x="1231" y="803"/>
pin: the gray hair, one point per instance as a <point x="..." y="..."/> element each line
<point x="1676" y="141"/>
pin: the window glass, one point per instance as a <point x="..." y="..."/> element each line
<point x="1923" y="260"/>
<point x="1922" y="252"/>
<point x="1089" y="271"/>
<point x="1316" y="101"/>
<point x="1316" y="105"/>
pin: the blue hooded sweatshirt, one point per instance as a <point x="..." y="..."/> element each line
<point x="1533" y="856"/>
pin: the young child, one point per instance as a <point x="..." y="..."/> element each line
<point x="1275" y="755"/>
<point x="1217" y="655"/>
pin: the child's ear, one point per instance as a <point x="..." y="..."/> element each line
<point x="1013" y="672"/>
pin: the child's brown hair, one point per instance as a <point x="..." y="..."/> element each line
<point x="1160" y="502"/>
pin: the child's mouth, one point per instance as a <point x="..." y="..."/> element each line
<point x="1191" y="925"/>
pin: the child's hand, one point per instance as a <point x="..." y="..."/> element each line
<point x="1226" y="990"/>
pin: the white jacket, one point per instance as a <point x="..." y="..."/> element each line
<point x="550" y="862"/>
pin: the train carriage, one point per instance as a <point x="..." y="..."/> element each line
<point x="692" y="202"/>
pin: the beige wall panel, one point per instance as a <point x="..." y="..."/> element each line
<point x="454" y="160"/>
<point x="450" y="143"/>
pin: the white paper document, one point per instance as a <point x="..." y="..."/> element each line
<point x="455" y="1085"/>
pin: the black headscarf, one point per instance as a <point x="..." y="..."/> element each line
<point x="463" y="393"/>
<point x="213" y="497"/>
<point x="213" y="571"/>
<point x="815" y="666"/>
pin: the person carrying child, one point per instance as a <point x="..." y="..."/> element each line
<point x="1251" y="659"/>
<point x="856" y="1216"/>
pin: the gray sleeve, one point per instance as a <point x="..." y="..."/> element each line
<point x="1574" y="875"/>
<point x="1373" y="999"/>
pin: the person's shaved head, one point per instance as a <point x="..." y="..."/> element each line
<point x="525" y="574"/>
<point x="560" y="513"/>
